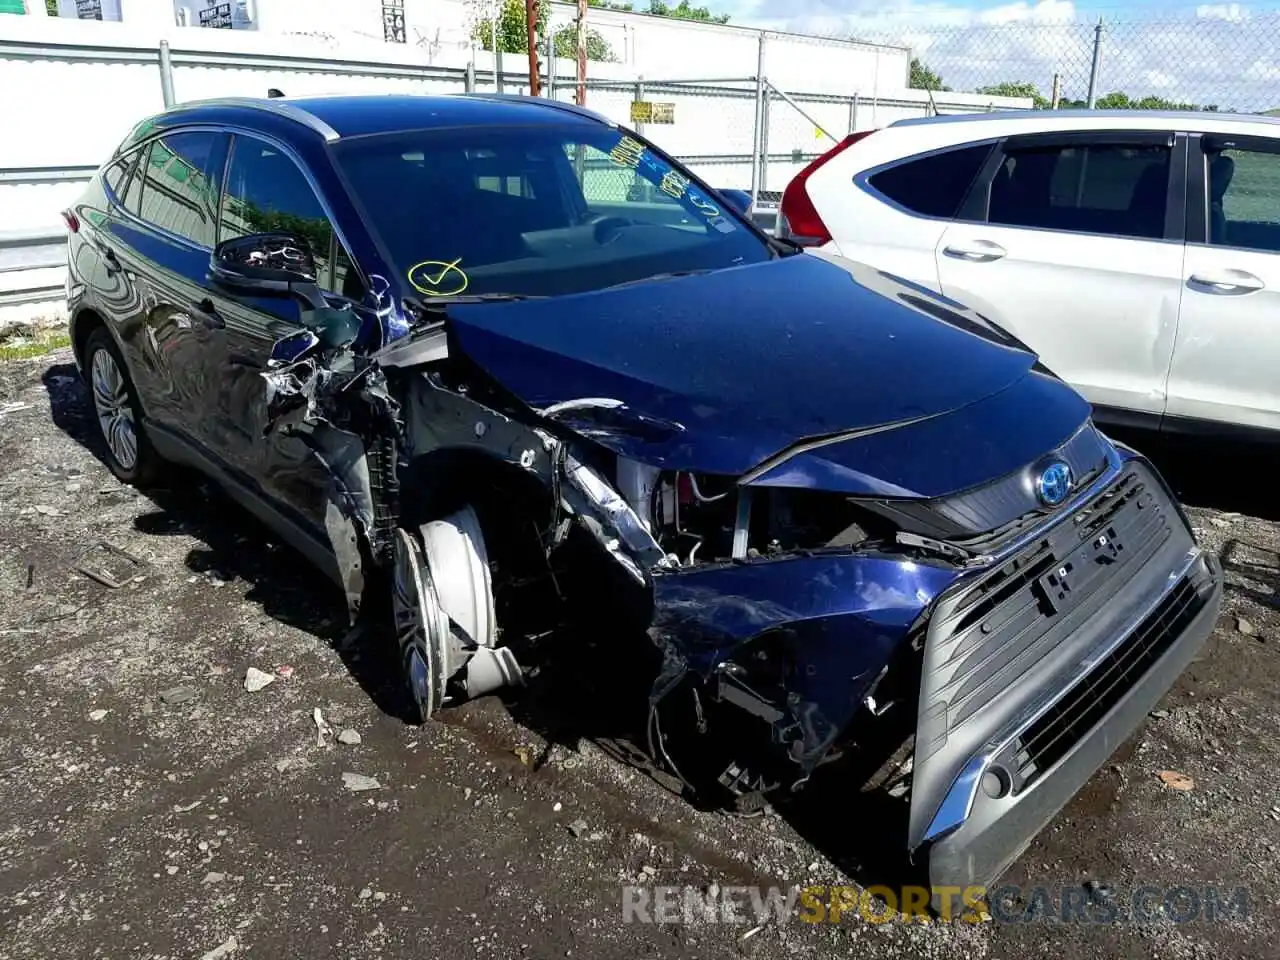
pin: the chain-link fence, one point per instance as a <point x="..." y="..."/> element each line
<point x="1216" y="57"/>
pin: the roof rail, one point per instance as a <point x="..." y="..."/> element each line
<point x="281" y="108"/>
<point x="543" y="101"/>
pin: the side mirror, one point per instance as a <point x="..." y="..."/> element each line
<point x="268" y="264"/>
<point x="740" y="200"/>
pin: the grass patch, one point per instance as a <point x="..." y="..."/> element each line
<point x="32" y="345"/>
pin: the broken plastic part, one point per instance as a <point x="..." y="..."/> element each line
<point x="611" y="520"/>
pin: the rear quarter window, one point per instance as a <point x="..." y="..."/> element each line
<point x="933" y="185"/>
<point x="117" y="174"/>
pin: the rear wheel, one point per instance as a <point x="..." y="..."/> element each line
<point x="116" y="410"/>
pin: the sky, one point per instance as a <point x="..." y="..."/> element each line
<point x="1226" y="54"/>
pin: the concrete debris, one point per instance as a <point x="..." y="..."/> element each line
<point x="214" y="877"/>
<point x="349" y="737"/>
<point x="578" y="827"/>
<point x="323" y="730"/>
<point x="1245" y="627"/>
<point x="366" y="893"/>
<point x="96" y="715"/>
<point x="255" y="679"/>
<point x="175" y="696"/>
<point x="358" y="782"/>
<point x="225" y="949"/>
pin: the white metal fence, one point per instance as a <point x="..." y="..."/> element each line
<point x="74" y="89"/>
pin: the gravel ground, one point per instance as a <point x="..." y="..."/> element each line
<point x="153" y="807"/>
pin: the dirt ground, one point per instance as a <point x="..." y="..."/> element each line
<point x="153" y="807"/>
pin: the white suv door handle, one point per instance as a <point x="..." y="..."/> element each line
<point x="1228" y="281"/>
<point x="975" y="251"/>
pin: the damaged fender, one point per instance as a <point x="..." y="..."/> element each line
<point x="842" y="616"/>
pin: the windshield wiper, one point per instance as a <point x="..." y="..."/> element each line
<point x="656" y="276"/>
<point x="426" y="306"/>
<point x="785" y="245"/>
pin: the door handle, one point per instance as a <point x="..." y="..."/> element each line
<point x="109" y="258"/>
<point x="1227" y="282"/>
<point x="208" y="314"/>
<point x="975" y="251"/>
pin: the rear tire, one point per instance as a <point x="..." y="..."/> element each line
<point x="117" y="413"/>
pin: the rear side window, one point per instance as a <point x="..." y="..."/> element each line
<point x="117" y="175"/>
<point x="133" y="194"/>
<point x="181" y="180"/>
<point x="1244" y="199"/>
<point x="933" y="186"/>
<point x="1102" y="188"/>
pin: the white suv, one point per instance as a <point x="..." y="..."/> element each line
<point x="1137" y="252"/>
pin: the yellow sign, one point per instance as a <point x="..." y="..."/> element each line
<point x="646" y="111"/>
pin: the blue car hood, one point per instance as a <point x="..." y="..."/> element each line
<point x="719" y="372"/>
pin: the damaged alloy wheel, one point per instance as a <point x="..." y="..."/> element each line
<point x="422" y="627"/>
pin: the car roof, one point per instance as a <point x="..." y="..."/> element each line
<point x="339" y="117"/>
<point x="1077" y="119"/>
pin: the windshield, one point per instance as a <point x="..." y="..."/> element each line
<point x="537" y="210"/>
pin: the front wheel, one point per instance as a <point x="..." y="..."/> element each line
<point x="421" y="627"/>
<point x="117" y="412"/>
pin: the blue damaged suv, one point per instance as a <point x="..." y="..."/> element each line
<point x="511" y="366"/>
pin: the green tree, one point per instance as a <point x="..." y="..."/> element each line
<point x="922" y="78"/>
<point x="513" y="32"/>
<point x="1016" y="88"/>
<point x="566" y="44"/>
<point x="684" y="11"/>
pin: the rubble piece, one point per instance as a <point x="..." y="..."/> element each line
<point x="175" y="696"/>
<point x="255" y="679"/>
<point x="112" y="567"/>
<point x="359" y="783"/>
<point x="1177" y="781"/>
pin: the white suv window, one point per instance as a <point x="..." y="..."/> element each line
<point x="1113" y="189"/>
<point x="1244" y="199"/>
<point x="933" y="185"/>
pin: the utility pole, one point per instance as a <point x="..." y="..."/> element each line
<point x="531" y="24"/>
<point x="1057" y="91"/>
<point x="1096" y="65"/>
<point x="581" y="98"/>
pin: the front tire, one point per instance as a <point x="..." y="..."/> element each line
<point x="421" y="628"/>
<point x="117" y="412"/>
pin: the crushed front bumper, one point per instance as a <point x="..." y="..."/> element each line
<point x="1035" y="671"/>
<point x="999" y="828"/>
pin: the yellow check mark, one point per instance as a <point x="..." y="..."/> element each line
<point x="432" y="281"/>
<point x="429" y="284"/>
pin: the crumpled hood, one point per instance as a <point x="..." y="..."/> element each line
<point x="719" y="372"/>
